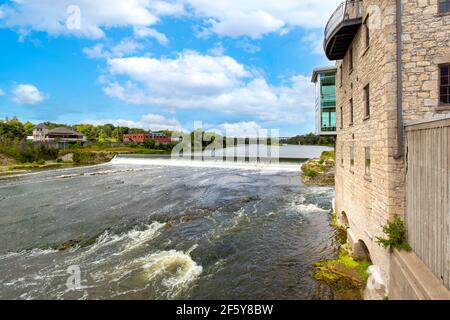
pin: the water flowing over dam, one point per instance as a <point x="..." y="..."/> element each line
<point x="145" y="229"/>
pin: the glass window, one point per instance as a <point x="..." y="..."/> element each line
<point x="328" y="119"/>
<point x="444" y="85"/>
<point x="367" y="101"/>
<point x="351" y="111"/>
<point x="368" y="161"/>
<point x="367" y="32"/>
<point x="444" y="5"/>
<point x="350" y="60"/>
<point x="342" y="118"/>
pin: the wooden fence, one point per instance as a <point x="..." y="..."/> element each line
<point x="428" y="195"/>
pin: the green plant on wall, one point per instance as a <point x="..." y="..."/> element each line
<point x="395" y="232"/>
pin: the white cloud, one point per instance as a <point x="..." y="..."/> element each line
<point x="252" y="18"/>
<point x="95" y="52"/>
<point x="150" y="121"/>
<point x="315" y="42"/>
<point x="2" y="93"/>
<point x="144" y="32"/>
<point x="27" y="94"/>
<point x="242" y="129"/>
<point x="255" y="18"/>
<point x="125" y="47"/>
<point x="255" y="24"/>
<point x="214" y="83"/>
<point x="51" y="16"/>
<point x="167" y="8"/>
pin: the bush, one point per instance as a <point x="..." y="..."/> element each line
<point x="310" y="173"/>
<point x="396" y="235"/>
<point x="326" y="155"/>
<point x="27" y="152"/>
<point x="83" y="157"/>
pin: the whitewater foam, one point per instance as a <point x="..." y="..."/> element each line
<point x="176" y="269"/>
<point x="290" y="167"/>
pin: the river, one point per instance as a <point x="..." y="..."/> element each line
<point x="153" y="231"/>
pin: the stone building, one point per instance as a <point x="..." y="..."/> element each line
<point x="382" y="102"/>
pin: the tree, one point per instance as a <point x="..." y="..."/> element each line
<point x="12" y="129"/>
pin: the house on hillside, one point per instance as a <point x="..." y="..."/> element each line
<point x="60" y="137"/>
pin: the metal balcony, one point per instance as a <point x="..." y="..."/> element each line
<point x="341" y="29"/>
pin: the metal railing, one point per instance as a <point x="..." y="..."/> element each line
<point x="328" y="129"/>
<point x="347" y="10"/>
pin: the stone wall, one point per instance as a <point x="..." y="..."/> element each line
<point x="364" y="198"/>
<point x="369" y="201"/>
<point x="426" y="44"/>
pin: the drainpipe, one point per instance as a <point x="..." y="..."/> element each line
<point x="399" y="31"/>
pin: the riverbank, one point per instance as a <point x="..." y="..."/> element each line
<point x="344" y="277"/>
<point x="319" y="171"/>
<point x="75" y="157"/>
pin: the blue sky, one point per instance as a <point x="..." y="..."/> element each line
<point x="156" y="64"/>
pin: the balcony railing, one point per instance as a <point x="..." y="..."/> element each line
<point x="343" y="19"/>
<point x="328" y="129"/>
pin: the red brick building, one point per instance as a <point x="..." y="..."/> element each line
<point x="158" y="137"/>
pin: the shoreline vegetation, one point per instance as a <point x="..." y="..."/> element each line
<point x="320" y="171"/>
<point x="103" y="143"/>
<point x="346" y="276"/>
<point x="74" y="157"/>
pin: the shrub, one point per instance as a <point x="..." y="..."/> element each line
<point x="83" y="157"/>
<point x="396" y="235"/>
<point x="310" y="173"/>
<point x="27" y="152"/>
<point x="326" y="155"/>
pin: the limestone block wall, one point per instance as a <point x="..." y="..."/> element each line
<point x="369" y="202"/>
<point x="426" y="44"/>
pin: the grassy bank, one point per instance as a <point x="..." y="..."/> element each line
<point x="26" y="158"/>
<point x="34" y="166"/>
<point x="319" y="171"/>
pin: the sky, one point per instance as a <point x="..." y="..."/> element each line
<point x="234" y="65"/>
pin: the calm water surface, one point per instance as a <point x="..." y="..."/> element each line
<point x="162" y="232"/>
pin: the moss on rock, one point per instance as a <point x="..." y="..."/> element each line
<point x="319" y="171"/>
<point x="345" y="276"/>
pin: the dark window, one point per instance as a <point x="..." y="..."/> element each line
<point x="351" y="111"/>
<point x="368" y="161"/>
<point x="342" y="155"/>
<point x="444" y="85"/>
<point x="340" y="76"/>
<point x="367" y="31"/>
<point x="444" y="5"/>
<point x="367" y="101"/>
<point x="342" y="117"/>
<point x="350" y="60"/>
<point x="352" y="157"/>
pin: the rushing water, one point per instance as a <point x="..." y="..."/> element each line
<point x="152" y="231"/>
